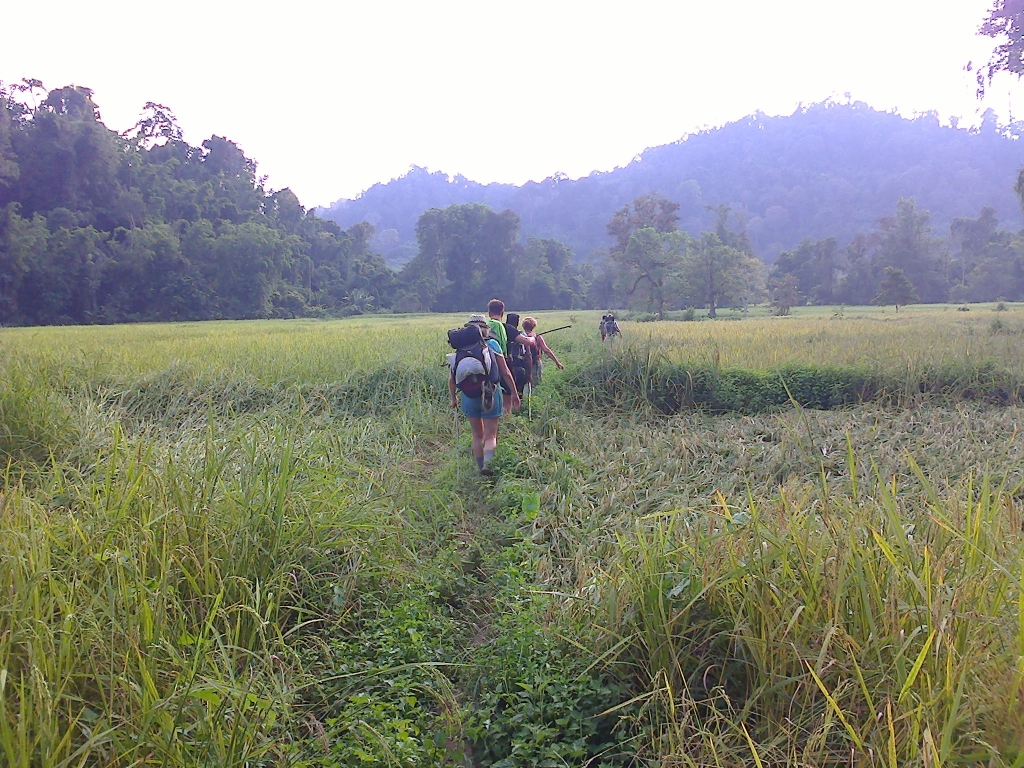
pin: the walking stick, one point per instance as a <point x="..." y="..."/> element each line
<point x="559" y="328"/>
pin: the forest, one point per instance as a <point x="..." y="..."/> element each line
<point x="828" y="170"/>
<point x="98" y="226"/>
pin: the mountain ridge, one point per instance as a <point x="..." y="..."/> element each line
<point x="828" y="169"/>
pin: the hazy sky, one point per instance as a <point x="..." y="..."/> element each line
<point x="332" y="97"/>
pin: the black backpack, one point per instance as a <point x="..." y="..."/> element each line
<point x="468" y="341"/>
<point x="517" y="353"/>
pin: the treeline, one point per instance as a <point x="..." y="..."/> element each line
<point x="977" y="262"/>
<point x="96" y="226"/>
<point x="101" y="227"/>
<point x="655" y="267"/>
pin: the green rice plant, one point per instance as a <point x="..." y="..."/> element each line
<point x="645" y="377"/>
<point x="150" y="599"/>
<point x="35" y="421"/>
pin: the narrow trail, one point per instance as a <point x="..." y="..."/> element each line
<point x="481" y="533"/>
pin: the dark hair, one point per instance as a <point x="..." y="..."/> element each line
<point x="512" y="319"/>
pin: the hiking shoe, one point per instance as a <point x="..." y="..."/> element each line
<point x="486" y="471"/>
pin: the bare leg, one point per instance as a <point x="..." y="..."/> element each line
<point x="490" y="438"/>
<point x="478" y="439"/>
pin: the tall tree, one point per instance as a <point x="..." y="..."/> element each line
<point x="542" y="278"/>
<point x="905" y="242"/>
<point x="815" y="266"/>
<point x="467" y="255"/>
<point x="651" y="268"/>
<point x="650" y="211"/>
<point x="717" y="273"/>
<point x="785" y="293"/>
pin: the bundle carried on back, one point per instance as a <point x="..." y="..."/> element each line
<point x="472" y="363"/>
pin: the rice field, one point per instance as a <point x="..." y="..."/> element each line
<point x="266" y="544"/>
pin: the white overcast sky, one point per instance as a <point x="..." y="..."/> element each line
<point x="332" y="97"/>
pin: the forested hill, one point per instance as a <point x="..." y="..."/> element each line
<point x="827" y="170"/>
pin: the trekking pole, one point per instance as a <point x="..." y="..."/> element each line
<point x="559" y="328"/>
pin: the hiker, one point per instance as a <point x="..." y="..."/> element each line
<point x="495" y="313"/>
<point x="540" y="348"/>
<point x="477" y="366"/>
<point x="609" y="327"/>
<point x="520" y="352"/>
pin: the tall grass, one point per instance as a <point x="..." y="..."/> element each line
<point x="646" y="377"/>
<point x="870" y="631"/>
<point x="149" y="601"/>
<point x="227" y="544"/>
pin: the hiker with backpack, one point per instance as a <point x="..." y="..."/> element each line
<point x="500" y="332"/>
<point x="477" y="367"/>
<point x="609" y="327"/>
<point x="520" y="352"/>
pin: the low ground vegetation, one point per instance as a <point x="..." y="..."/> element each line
<point x="265" y="544"/>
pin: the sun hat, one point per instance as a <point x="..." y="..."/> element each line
<point x="480" y="322"/>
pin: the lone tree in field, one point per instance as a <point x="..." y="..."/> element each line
<point x="785" y="294"/>
<point x="715" y="272"/>
<point x="895" y="289"/>
<point x="651" y="264"/>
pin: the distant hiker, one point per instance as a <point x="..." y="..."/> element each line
<point x="540" y="348"/>
<point x="609" y="327"/>
<point x="520" y="352"/>
<point x="477" y="366"/>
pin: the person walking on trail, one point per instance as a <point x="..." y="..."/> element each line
<point x="540" y="348"/>
<point x="495" y="313"/>
<point x="520" y="352"/>
<point x="483" y="410"/>
<point x="609" y="327"/>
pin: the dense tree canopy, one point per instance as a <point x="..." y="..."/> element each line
<point x="469" y="254"/>
<point x="101" y="227"/>
<point x="978" y="262"/>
